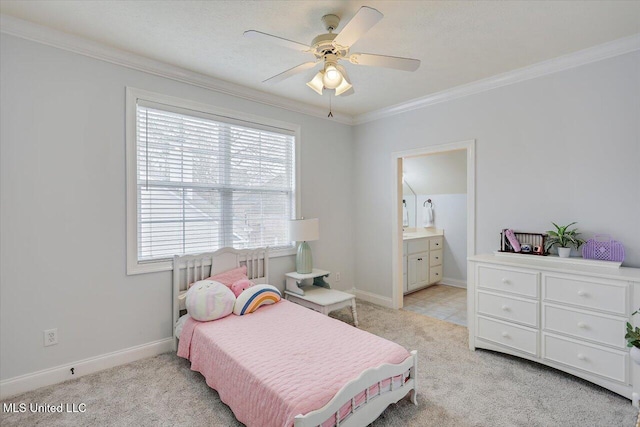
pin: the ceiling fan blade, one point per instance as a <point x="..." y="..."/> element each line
<point x="277" y="40"/>
<point x="406" y="64"/>
<point x="363" y="20"/>
<point x="290" y="72"/>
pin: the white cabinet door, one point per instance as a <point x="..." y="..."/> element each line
<point x="412" y="272"/>
<point x="423" y="268"/>
<point x="417" y="270"/>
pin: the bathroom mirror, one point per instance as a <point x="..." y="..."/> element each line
<point x="409" y="200"/>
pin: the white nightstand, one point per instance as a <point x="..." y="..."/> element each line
<point x="318" y="297"/>
<point x="294" y="280"/>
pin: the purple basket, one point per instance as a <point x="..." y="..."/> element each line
<point x="604" y="248"/>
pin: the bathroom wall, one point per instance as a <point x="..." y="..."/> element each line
<point x="450" y="215"/>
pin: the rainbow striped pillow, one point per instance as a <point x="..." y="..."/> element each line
<point x="252" y="298"/>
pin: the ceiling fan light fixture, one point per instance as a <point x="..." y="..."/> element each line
<point x="331" y="48"/>
<point x="343" y="87"/>
<point x="316" y="83"/>
<point x="332" y="77"/>
<point x="332" y="73"/>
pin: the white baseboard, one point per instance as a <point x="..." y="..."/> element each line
<point x="373" y="298"/>
<point x="58" y="374"/>
<point x="453" y="282"/>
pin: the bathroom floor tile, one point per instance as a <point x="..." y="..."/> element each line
<point x="443" y="302"/>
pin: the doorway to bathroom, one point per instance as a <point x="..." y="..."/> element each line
<point x="433" y="229"/>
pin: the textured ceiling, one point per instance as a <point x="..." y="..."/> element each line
<point x="457" y="42"/>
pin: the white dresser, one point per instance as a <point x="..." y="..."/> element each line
<point x="568" y="316"/>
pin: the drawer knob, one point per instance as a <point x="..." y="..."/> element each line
<point x="582" y="325"/>
<point x="505" y="307"/>
<point x="505" y="281"/>
<point x="437" y="257"/>
<point x="582" y="293"/>
<point x="505" y="335"/>
<point x="582" y="356"/>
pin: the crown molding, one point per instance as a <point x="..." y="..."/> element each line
<point x="565" y="62"/>
<point x="48" y="36"/>
<point x="61" y="40"/>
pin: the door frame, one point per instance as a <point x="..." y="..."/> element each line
<point x="396" y="210"/>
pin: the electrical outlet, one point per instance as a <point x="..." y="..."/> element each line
<point x="337" y="277"/>
<point x="50" y="337"/>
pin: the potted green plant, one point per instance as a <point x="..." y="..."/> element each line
<point x="633" y="340"/>
<point x="564" y="238"/>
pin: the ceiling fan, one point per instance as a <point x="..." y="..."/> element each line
<point x="330" y="48"/>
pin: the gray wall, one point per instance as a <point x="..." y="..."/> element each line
<point x="563" y="147"/>
<point x="63" y="206"/>
<point x="62" y="187"/>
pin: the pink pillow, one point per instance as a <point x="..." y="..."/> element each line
<point x="240" y="286"/>
<point x="229" y="277"/>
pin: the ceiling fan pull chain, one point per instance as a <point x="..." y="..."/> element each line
<point x="330" y="113"/>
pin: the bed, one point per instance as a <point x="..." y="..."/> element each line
<point x="286" y="365"/>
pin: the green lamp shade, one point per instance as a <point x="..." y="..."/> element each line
<point x="304" y="260"/>
<point x="304" y="230"/>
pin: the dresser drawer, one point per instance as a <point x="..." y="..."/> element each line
<point x="511" y="309"/>
<point x="603" y="295"/>
<point x="509" y="335"/>
<point x="601" y="329"/>
<point x="435" y="243"/>
<point x="435" y="274"/>
<point x="593" y="359"/>
<point x="435" y="257"/>
<point x="417" y="245"/>
<point x="516" y="282"/>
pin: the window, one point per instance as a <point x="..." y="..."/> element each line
<point x="203" y="180"/>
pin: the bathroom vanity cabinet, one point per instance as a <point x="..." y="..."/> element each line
<point x="422" y="260"/>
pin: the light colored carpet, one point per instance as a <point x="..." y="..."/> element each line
<point x="457" y="387"/>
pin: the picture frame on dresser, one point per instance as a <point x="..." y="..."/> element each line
<point x="571" y="317"/>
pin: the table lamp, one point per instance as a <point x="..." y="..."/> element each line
<point x="304" y="230"/>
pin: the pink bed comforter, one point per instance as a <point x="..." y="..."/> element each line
<point x="281" y="361"/>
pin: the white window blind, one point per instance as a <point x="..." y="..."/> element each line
<point x="205" y="182"/>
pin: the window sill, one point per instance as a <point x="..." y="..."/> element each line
<point x="167" y="265"/>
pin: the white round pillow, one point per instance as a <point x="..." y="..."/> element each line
<point x="209" y="300"/>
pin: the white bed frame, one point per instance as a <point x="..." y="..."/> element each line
<point x="190" y="268"/>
